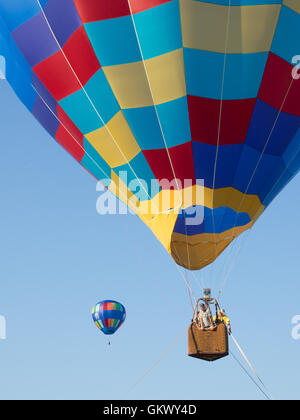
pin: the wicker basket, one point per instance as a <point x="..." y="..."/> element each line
<point x="207" y="345"/>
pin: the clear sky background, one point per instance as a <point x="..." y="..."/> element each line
<point x="59" y="257"/>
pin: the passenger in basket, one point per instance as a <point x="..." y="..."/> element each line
<point x="205" y="319"/>
<point x="223" y="319"/>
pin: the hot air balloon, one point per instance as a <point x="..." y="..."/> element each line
<point x="108" y="316"/>
<point x="204" y="94"/>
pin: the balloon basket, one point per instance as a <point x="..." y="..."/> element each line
<point x="208" y="345"/>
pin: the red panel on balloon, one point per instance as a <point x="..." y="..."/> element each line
<point x="141" y="5"/>
<point x="65" y="72"/>
<point x="205" y="120"/>
<point x="106" y="306"/>
<point x="182" y="160"/>
<point x="69" y="125"/>
<point x="94" y="10"/>
<point x="278" y="88"/>
<point x="68" y="136"/>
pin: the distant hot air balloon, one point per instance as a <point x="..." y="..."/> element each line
<point x="108" y="316"/>
<point x="167" y="89"/>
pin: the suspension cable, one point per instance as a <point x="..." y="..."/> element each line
<point x="220" y="122"/>
<point x="249" y="364"/>
<point x="89" y="98"/>
<point x="249" y="376"/>
<point x="262" y="153"/>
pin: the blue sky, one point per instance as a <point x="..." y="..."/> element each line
<point x="59" y="257"/>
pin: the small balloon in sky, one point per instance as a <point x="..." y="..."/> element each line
<point x="108" y="316"/>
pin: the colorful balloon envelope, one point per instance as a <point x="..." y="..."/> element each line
<point x="203" y="93"/>
<point x="108" y="316"/>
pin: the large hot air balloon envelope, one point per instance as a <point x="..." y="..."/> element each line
<point x="108" y="316"/>
<point x="141" y="90"/>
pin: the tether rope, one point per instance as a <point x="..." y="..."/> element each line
<point x="249" y="376"/>
<point x="159" y="360"/>
<point x="189" y="290"/>
<point x="249" y="364"/>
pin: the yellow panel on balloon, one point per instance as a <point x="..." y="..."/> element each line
<point x="152" y="82"/>
<point x="115" y="141"/>
<point x="166" y="74"/>
<point x="197" y="251"/>
<point x="293" y="4"/>
<point x="130" y="84"/>
<point x="250" y="28"/>
<point x="237" y="201"/>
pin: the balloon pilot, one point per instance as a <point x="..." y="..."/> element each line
<point x="204" y="317"/>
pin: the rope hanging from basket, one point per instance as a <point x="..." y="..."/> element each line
<point x="250" y="365"/>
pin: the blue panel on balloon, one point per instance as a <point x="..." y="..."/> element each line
<point x="46" y="117"/>
<point x="292" y="149"/>
<point x="174" y="119"/>
<point x="43" y="92"/>
<point x="56" y="12"/>
<point x="145" y="126"/>
<point x="271" y="131"/>
<point x="265" y="175"/>
<point x="159" y="29"/>
<point x="287" y="35"/>
<point x="205" y="156"/>
<point x="256" y="173"/>
<point x="35" y="40"/>
<point x="120" y="45"/>
<point x="216" y="221"/>
<point x="15" y="12"/>
<point x="204" y="74"/>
